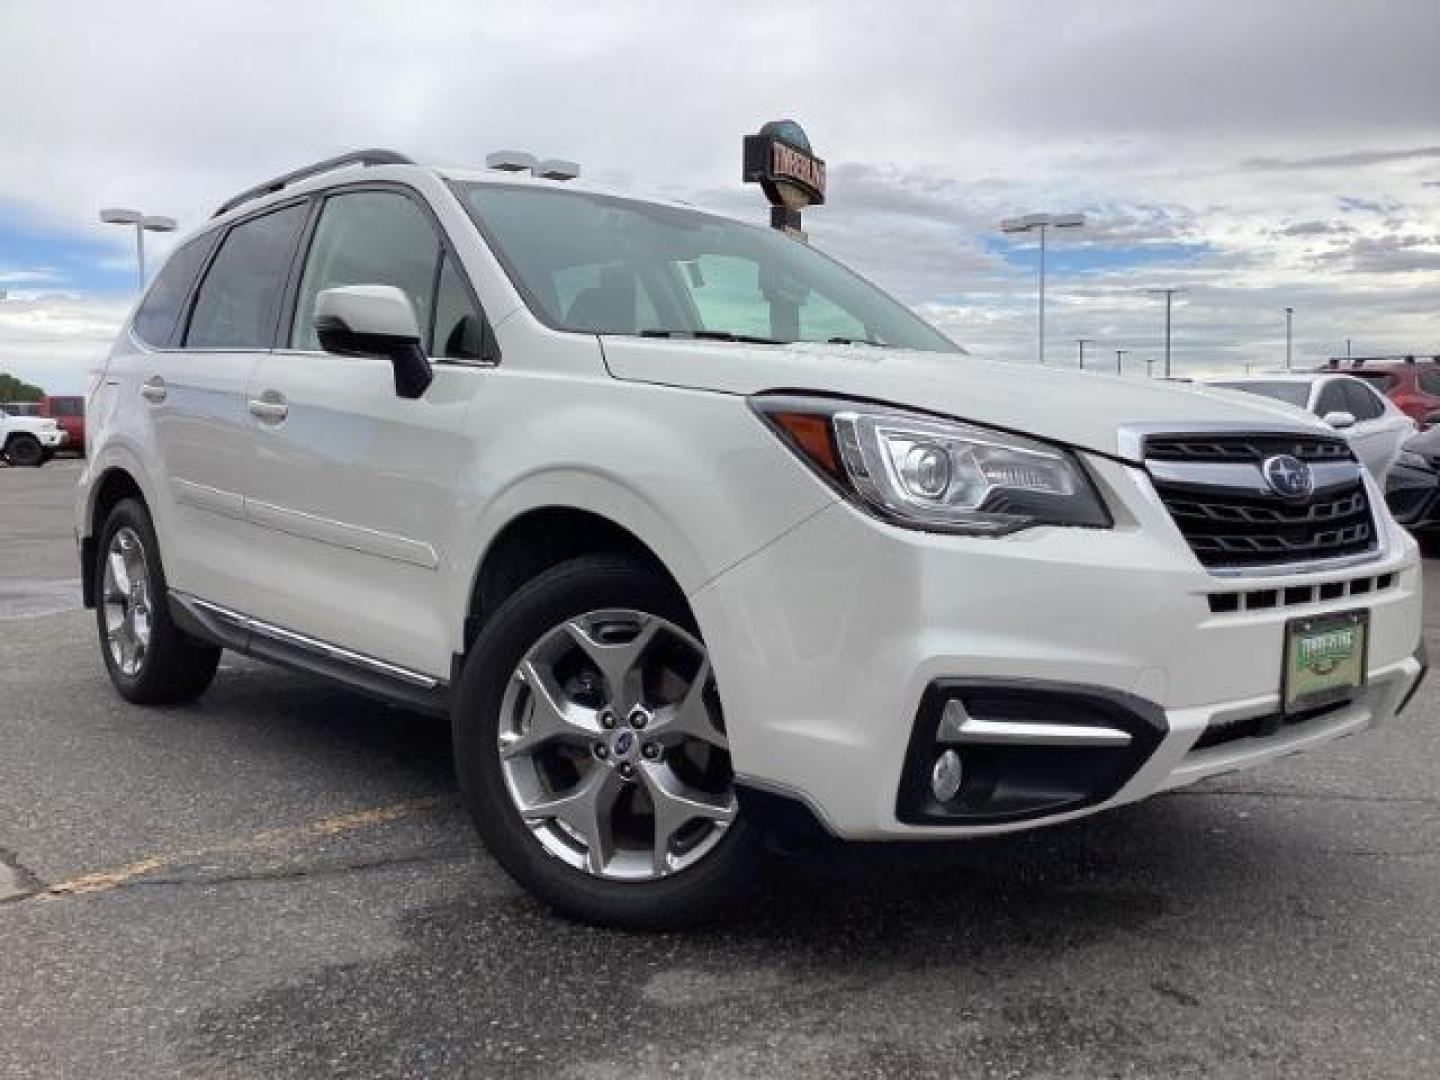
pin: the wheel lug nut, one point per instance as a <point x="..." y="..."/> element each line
<point x="607" y="718"/>
<point x="651" y="751"/>
<point x="601" y="750"/>
<point x="638" y="719"/>
<point x="627" y="770"/>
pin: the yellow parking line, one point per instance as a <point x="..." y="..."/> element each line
<point x="335" y="825"/>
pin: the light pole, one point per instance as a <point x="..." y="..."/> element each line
<point x="1082" y="342"/>
<point x="143" y="223"/>
<point x="1119" y="358"/>
<point x="1289" y="337"/>
<point x="1041" y="223"/>
<point x="1169" y="294"/>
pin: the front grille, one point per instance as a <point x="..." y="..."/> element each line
<point x="1215" y="491"/>
<point x="1256" y="448"/>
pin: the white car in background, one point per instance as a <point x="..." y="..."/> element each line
<point x="1374" y="425"/>
<point x="29" y="440"/>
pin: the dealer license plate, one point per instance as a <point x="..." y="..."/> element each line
<point x="1324" y="659"/>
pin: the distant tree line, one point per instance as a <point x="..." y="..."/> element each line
<point x="13" y="389"/>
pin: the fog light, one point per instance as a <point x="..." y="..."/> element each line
<point x="946" y="776"/>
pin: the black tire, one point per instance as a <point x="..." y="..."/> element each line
<point x="176" y="667"/>
<point x="694" y="895"/>
<point x="25" y="451"/>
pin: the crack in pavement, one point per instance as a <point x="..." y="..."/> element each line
<point x="267" y="839"/>
<point x="312" y="870"/>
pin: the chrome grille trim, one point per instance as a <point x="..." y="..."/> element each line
<point x="1233" y="523"/>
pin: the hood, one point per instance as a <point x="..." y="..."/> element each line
<point x="1080" y="409"/>
<point x="28" y="423"/>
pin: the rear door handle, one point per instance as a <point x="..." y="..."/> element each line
<point x="153" y="389"/>
<point x="270" y="407"/>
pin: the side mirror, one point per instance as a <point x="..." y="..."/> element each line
<point x="1339" y="420"/>
<point x="375" y="320"/>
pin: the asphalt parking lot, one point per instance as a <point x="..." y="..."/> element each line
<point x="279" y="881"/>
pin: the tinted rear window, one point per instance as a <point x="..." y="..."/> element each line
<point x="155" y="320"/>
<point x="239" y="299"/>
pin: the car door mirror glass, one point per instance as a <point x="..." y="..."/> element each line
<point x="1339" y="420"/>
<point x="375" y="320"/>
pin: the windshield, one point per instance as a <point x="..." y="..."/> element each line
<point x="604" y="265"/>
<point x="1292" y="393"/>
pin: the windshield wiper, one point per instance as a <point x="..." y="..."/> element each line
<point x="855" y="341"/>
<point x="711" y="335"/>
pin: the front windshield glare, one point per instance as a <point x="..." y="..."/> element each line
<point x="604" y="265"/>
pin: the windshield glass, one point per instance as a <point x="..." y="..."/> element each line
<point x="1292" y="393"/>
<point x="603" y="265"/>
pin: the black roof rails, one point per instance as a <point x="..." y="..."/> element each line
<point x="355" y="157"/>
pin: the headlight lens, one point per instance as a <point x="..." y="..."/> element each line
<point x="939" y="475"/>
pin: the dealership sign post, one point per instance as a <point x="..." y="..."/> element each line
<point x="779" y="159"/>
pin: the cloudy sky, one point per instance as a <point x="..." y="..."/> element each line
<point x="1260" y="154"/>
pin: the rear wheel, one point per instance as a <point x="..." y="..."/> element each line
<point x="25" y="451"/>
<point x="592" y="752"/>
<point x="151" y="661"/>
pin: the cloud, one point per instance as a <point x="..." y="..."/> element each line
<point x="1315" y="228"/>
<point x="1213" y="134"/>
<point x="1352" y="160"/>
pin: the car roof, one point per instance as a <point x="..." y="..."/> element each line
<point x="350" y="173"/>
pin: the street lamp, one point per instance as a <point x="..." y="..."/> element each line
<point x="1082" y="342"/>
<point x="1169" y="295"/>
<point x="1289" y="338"/>
<point x="143" y="223"/>
<point x="1041" y="223"/>
<point x="1120" y="355"/>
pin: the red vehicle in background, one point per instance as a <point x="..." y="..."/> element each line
<point x="1414" y="385"/>
<point x="69" y="413"/>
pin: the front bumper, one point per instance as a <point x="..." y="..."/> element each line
<point x="826" y="642"/>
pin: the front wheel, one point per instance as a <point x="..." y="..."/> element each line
<point x="592" y="752"/>
<point x="25" y="451"/>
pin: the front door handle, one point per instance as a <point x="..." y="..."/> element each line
<point x="154" y="390"/>
<point x="270" y="407"/>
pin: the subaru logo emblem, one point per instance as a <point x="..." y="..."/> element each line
<point x="623" y="743"/>
<point x="1288" y="477"/>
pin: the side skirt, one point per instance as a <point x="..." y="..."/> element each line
<point x="356" y="671"/>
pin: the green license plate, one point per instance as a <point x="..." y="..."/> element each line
<point x="1324" y="659"/>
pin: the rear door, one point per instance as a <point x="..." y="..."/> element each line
<point x="202" y="343"/>
<point x="351" y="493"/>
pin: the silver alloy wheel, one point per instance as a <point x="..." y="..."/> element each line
<point x="613" y="747"/>
<point x="125" y="592"/>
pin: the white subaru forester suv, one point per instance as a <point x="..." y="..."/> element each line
<point x="698" y="538"/>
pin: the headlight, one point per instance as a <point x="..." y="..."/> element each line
<point x="939" y="475"/>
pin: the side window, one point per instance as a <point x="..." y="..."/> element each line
<point x="1363" y="402"/>
<point x="458" y="326"/>
<point x="239" y="299"/>
<point x="155" y="319"/>
<point x="367" y="238"/>
<point x="1429" y="380"/>
<point x="1332" y="399"/>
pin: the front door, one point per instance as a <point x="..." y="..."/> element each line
<point x="351" y="496"/>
